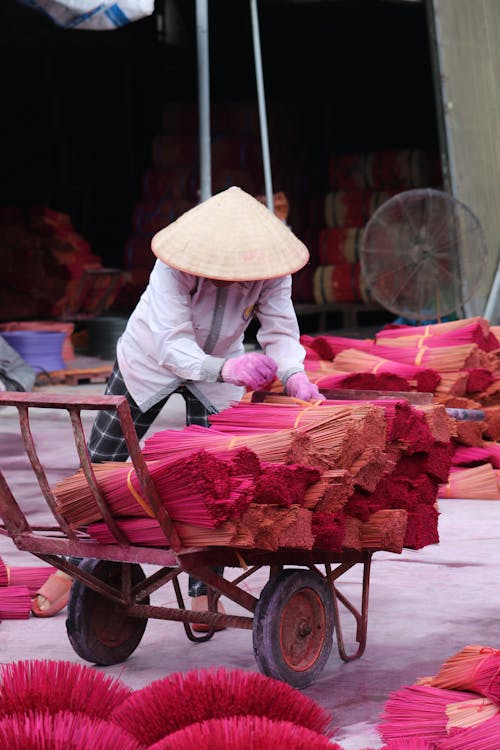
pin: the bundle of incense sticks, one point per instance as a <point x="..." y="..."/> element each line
<point x="198" y="489"/>
<point x="469" y="433"/>
<point x="384" y="530"/>
<point x="327" y="347"/>
<point x="146" y="532"/>
<point x="269" y="444"/>
<point x="476" y="483"/>
<point x="329" y="531"/>
<point x="33" y="577"/>
<point x="452" y="383"/>
<point x="491" y="428"/>
<point x="331" y="492"/>
<point x="4" y="573"/>
<point x="272" y="527"/>
<point x="352" y="360"/>
<point x="368" y="381"/>
<point x="484" y="736"/>
<point x="15" y="603"/>
<point x="475" y="668"/>
<point x="489" y="452"/>
<point x="418" y="711"/>
<point x="471" y="713"/>
<point x="442" y="359"/>
<point x="467" y="331"/>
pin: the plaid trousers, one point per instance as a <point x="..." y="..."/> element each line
<point x="107" y="443"/>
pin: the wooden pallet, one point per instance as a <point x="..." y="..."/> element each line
<point x="77" y="376"/>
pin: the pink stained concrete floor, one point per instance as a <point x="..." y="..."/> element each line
<point x="424" y="605"/>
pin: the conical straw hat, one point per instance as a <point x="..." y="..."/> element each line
<point x="232" y="237"/>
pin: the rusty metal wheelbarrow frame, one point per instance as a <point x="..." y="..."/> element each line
<point x="54" y="544"/>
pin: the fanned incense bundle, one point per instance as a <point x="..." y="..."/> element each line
<point x="471" y="456"/>
<point x="53" y="686"/>
<point x="44" y="731"/>
<point x="245" y="733"/>
<point x="197" y="489"/>
<point x="439" y="423"/>
<point x="367" y="381"/>
<point x="198" y="695"/>
<point x="475" y="668"/>
<point x="476" y="483"/>
<point x="31" y="577"/>
<point x="418" y="711"/>
<point x="351" y="360"/>
<point x="452" y="384"/>
<point x="484" y="736"/>
<point x="15" y="603"/>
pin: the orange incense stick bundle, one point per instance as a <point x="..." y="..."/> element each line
<point x="352" y="534"/>
<point x="369" y="467"/>
<point x="475" y="668"/>
<point x="483" y="736"/>
<point x="452" y="383"/>
<point x="469" y="433"/>
<point x="471" y="713"/>
<point x="476" y="483"/>
<point x="491" y="429"/>
<point x="384" y="530"/>
<point x="442" y="359"/>
<point x="331" y="492"/>
<point x="441" y="425"/>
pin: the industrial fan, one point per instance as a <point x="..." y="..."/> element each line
<point x="423" y="253"/>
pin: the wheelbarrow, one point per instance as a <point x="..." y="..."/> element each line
<point x="293" y="621"/>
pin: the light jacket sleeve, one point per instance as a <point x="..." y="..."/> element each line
<point x="279" y="333"/>
<point x="171" y="325"/>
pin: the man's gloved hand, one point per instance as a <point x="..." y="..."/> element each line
<point x="298" y="385"/>
<point x="253" y="370"/>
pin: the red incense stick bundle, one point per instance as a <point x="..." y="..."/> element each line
<point x="422" y="527"/>
<point x="351" y="360"/>
<point x="15" y="603"/>
<point x="329" y="530"/>
<point x="283" y="485"/>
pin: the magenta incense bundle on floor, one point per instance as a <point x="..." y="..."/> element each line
<point x="15" y="603"/>
<point x="245" y="733"/>
<point x="4" y="573"/>
<point x="53" y="686"/>
<point x="42" y="730"/>
<point x="198" y="695"/>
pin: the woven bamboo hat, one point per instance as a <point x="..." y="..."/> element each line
<point x="231" y="237"/>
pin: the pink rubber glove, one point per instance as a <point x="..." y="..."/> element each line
<point x="253" y="370"/>
<point x="298" y="385"/>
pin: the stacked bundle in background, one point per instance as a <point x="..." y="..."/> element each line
<point x="458" y="362"/>
<point x="170" y="187"/>
<point x="359" y="184"/>
<point x="39" y="243"/>
<point x="333" y="476"/>
<point x="18" y="586"/>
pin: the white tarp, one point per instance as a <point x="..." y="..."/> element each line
<point x="92" y="16"/>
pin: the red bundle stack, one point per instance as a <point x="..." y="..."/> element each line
<point x="37" y="242"/>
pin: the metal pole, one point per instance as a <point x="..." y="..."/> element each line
<point x="262" y="106"/>
<point x="490" y="311"/>
<point x="203" y="98"/>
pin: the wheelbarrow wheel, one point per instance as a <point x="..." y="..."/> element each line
<point x="99" y="630"/>
<point x="293" y="627"/>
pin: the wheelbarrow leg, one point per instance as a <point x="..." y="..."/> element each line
<point x="361" y="617"/>
<point x="187" y="626"/>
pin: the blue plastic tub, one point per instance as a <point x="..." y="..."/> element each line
<point x="42" y="350"/>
